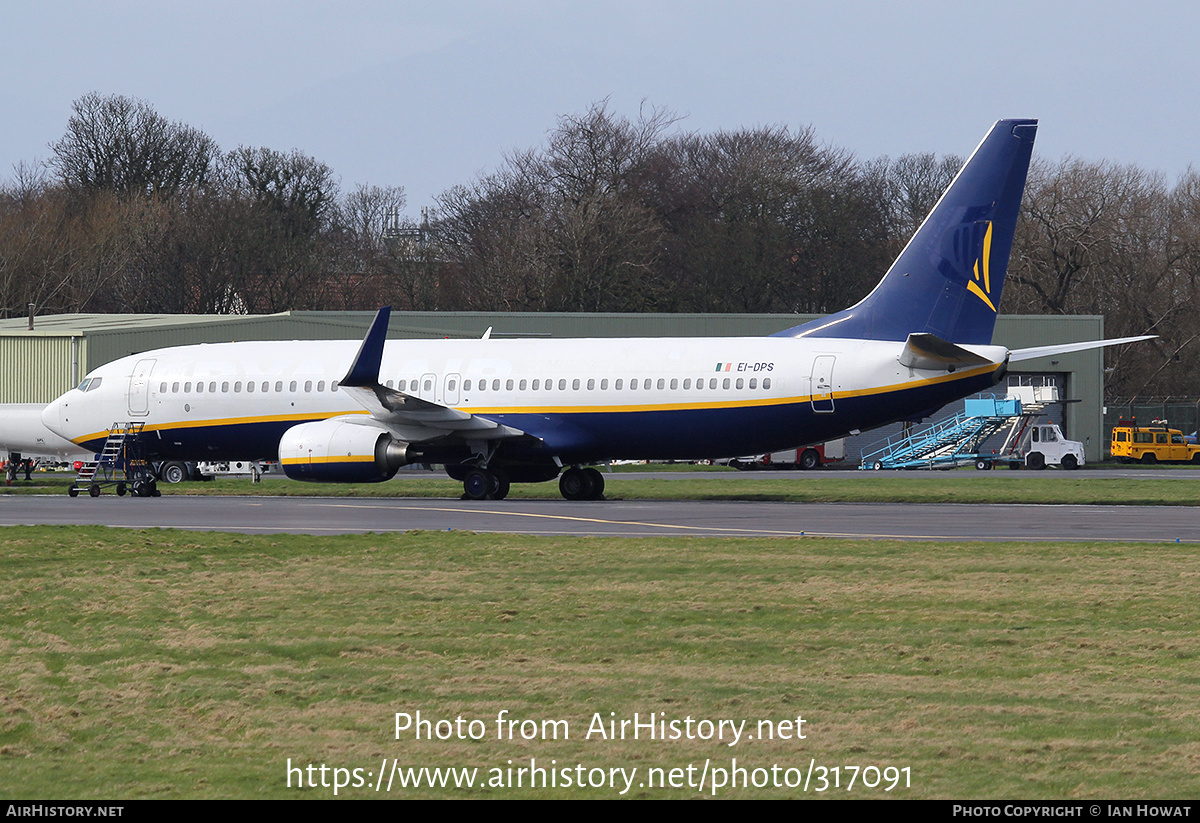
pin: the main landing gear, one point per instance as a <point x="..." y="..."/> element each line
<point x="581" y="484"/>
<point x="485" y="484"/>
<point x="493" y="483"/>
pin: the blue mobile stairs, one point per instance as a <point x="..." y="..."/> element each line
<point x="121" y="463"/>
<point x="952" y="442"/>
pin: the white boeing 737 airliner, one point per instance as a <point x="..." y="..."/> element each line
<point x="501" y="411"/>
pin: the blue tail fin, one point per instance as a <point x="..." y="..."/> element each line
<point x="948" y="279"/>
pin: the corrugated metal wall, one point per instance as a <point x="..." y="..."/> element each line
<point x="37" y="369"/>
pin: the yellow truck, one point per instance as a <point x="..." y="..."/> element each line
<point x="1151" y="444"/>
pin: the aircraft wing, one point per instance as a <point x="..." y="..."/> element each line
<point x="409" y="418"/>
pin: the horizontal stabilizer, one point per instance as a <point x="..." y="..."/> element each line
<point x="931" y="353"/>
<point x="1017" y="355"/>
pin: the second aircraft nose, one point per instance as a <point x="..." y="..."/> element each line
<point x="52" y="417"/>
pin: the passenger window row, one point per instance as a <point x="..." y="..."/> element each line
<point x="238" y="386"/>
<point x="577" y="384"/>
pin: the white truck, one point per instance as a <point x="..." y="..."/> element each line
<point x="1038" y="445"/>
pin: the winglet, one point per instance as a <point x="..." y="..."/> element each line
<point x="365" y="369"/>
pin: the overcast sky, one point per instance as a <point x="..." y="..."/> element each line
<point x="425" y="95"/>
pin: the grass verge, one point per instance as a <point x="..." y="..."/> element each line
<point x="178" y="665"/>
<point x="1171" y="489"/>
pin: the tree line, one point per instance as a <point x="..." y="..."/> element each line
<point x="134" y="213"/>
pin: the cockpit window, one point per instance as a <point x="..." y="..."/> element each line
<point x="93" y="384"/>
<point x="83" y="386"/>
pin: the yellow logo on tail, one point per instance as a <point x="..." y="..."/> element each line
<point x="982" y="262"/>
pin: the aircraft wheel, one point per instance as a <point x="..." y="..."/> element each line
<point x="597" y="481"/>
<point x="500" y="485"/>
<point x="94" y="490"/>
<point x="809" y="459"/>
<point x="1069" y="462"/>
<point x="575" y="484"/>
<point x="173" y="472"/>
<point x="73" y="491"/>
<point x="477" y="485"/>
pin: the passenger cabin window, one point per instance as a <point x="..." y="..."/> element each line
<point x="320" y="385"/>
<point x="250" y="386"/>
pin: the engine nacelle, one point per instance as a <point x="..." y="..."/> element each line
<point x="338" y="451"/>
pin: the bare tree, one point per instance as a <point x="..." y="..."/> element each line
<point x="121" y="144"/>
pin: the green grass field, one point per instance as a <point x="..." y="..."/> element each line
<point x="1172" y="488"/>
<point x="176" y="665"/>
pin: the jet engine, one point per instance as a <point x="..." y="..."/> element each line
<point x="341" y="451"/>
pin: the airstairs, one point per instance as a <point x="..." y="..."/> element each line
<point x="121" y="463"/>
<point x="950" y="443"/>
<point x="958" y="440"/>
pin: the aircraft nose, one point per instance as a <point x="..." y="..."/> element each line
<point x="52" y="418"/>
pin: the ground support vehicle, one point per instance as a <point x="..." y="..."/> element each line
<point x="1036" y="445"/>
<point x="953" y="442"/>
<point x="805" y="457"/>
<point x="121" y="464"/>
<point x="1151" y="444"/>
